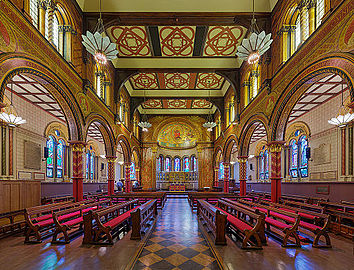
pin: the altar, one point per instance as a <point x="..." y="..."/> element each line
<point x="188" y="179"/>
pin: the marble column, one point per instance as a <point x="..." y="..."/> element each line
<point x="127" y="177"/>
<point x="243" y="173"/>
<point x="226" y="177"/>
<point x="50" y="10"/>
<point x="137" y="172"/>
<point x="42" y="10"/>
<point x="303" y="11"/>
<point x="312" y="22"/>
<point x="111" y="174"/>
<point x="284" y="35"/>
<point x="343" y="150"/>
<point x="77" y="148"/>
<point x="275" y="148"/>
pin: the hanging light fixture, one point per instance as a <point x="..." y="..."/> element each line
<point x="100" y="47"/>
<point x="9" y="114"/>
<point x="257" y="44"/>
<point x="210" y="124"/>
<point x="144" y="123"/>
<point x="342" y="120"/>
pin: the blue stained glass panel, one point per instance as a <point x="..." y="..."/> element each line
<point x="60" y="159"/>
<point x="87" y="164"/>
<point x="303" y="144"/>
<point x="221" y="170"/>
<point x="186" y="164"/>
<point x="177" y="165"/>
<point x="132" y="171"/>
<point x="294" y="155"/>
<point x="266" y="164"/>
<point x="261" y="170"/>
<point x="168" y="164"/>
<point x="92" y="166"/>
<point x="50" y="159"/>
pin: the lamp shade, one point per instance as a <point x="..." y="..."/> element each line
<point x="341" y="120"/>
<point x="9" y="116"/>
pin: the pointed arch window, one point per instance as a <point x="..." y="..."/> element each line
<point x="186" y="164"/>
<point x="168" y="164"/>
<point x="266" y="164"/>
<point x="261" y="165"/>
<point x="60" y="158"/>
<point x="132" y="171"/>
<point x="177" y="164"/>
<point x="303" y="145"/>
<point x="194" y="163"/>
<point x="221" y="170"/>
<point x="294" y="156"/>
<point x="50" y="159"/>
<point x="92" y="166"/>
<point x="88" y="157"/>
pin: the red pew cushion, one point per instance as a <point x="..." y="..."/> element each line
<point x="311" y="227"/>
<point x="242" y="226"/>
<point x="308" y="216"/>
<point x="73" y="221"/>
<point x="116" y="221"/>
<point x="277" y="223"/>
<point x="44" y="217"/>
<point x="281" y="216"/>
<point x="45" y="222"/>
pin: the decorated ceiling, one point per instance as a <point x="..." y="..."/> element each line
<point x="177" y="41"/>
<point x="177" y="135"/>
<point x="186" y="81"/>
<point x="177" y="104"/>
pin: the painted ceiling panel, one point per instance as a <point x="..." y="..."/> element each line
<point x="177" y="104"/>
<point x="223" y="40"/>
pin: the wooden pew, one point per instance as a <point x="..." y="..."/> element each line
<point x="70" y="218"/>
<point x="261" y="232"/>
<point x="244" y="223"/>
<point x="210" y="197"/>
<point x="12" y="223"/>
<point x="318" y="223"/>
<point x="143" y="196"/>
<point x="140" y="218"/>
<point x="214" y="220"/>
<point x="40" y="218"/>
<point x="56" y="199"/>
<point x="278" y="220"/>
<point x="102" y="224"/>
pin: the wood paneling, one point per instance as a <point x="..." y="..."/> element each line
<point x="16" y="194"/>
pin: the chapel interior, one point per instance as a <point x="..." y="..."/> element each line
<point x="176" y="134"/>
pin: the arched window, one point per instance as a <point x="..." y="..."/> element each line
<point x="60" y="158"/>
<point x="132" y="171"/>
<point x="88" y="162"/>
<point x="186" y="164"/>
<point x="92" y="166"/>
<point x="297" y="40"/>
<point x="161" y="167"/>
<point x="168" y="164"/>
<point x="50" y="159"/>
<point x="303" y="144"/>
<point x="293" y="157"/>
<point x="261" y="165"/>
<point x="221" y="170"/>
<point x="266" y="164"/>
<point x="194" y="164"/>
<point x="177" y="164"/>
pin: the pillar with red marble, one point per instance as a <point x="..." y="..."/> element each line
<point x="127" y="177"/>
<point x="137" y="174"/>
<point x="111" y="174"/>
<point x="242" y="173"/>
<point x="275" y="148"/>
<point x="77" y="148"/>
<point x="226" y="177"/>
<point x="216" y="177"/>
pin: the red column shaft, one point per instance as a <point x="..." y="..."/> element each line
<point x="127" y="177"/>
<point x="111" y="174"/>
<point x="78" y="173"/>
<point x="226" y="176"/>
<point x="242" y="173"/>
<point x="275" y="169"/>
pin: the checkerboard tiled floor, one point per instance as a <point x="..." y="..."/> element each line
<point x="177" y="242"/>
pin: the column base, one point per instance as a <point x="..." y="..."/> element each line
<point x="275" y="189"/>
<point x="110" y="187"/>
<point x="226" y="186"/>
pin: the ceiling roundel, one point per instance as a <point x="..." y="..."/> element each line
<point x="177" y="135"/>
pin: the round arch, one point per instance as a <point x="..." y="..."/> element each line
<point x="217" y="156"/>
<point x="342" y="65"/>
<point x="248" y="130"/>
<point x="229" y="145"/>
<point x="16" y="64"/>
<point x="136" y="156"/>
<point x="105" y="130"/>
<point x="124" y="143"/>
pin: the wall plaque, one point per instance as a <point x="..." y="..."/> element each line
<point x="322" y="154"/>
<point x="32" y="152"/>
<point x="322" y="190"/>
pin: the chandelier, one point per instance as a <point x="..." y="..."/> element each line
<point x="257" y="44"/>
<point x="9" y="114"/>
<point x="209" y="124"/>
<point x="144" y="124"/>
<point x="342" y="120"/>
<point x="100" y="47"/>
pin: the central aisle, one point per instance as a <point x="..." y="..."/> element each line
<point x="176" y="242"/>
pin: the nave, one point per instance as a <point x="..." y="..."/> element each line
<point x="176" y="241"/>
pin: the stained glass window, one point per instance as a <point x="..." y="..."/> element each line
<point x="221" y="170"/>
<point x="160" y="164"/>
<point x="92" y="166"/>
<point x="261" y="166"/>
<point x="186" y="164"/>
<point x="87" y="164"/>
<point x="194" y="164"/>
<point x="168" y="164"/>
<point x="177" y="165"/>
<point x="60" y="159"/>
<point x="50" y="159"/>
<point x="132" y="171"/>
<point x="293" y="158"/>
<point x="266" y="164"/>
<point x="303" y="144"/>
